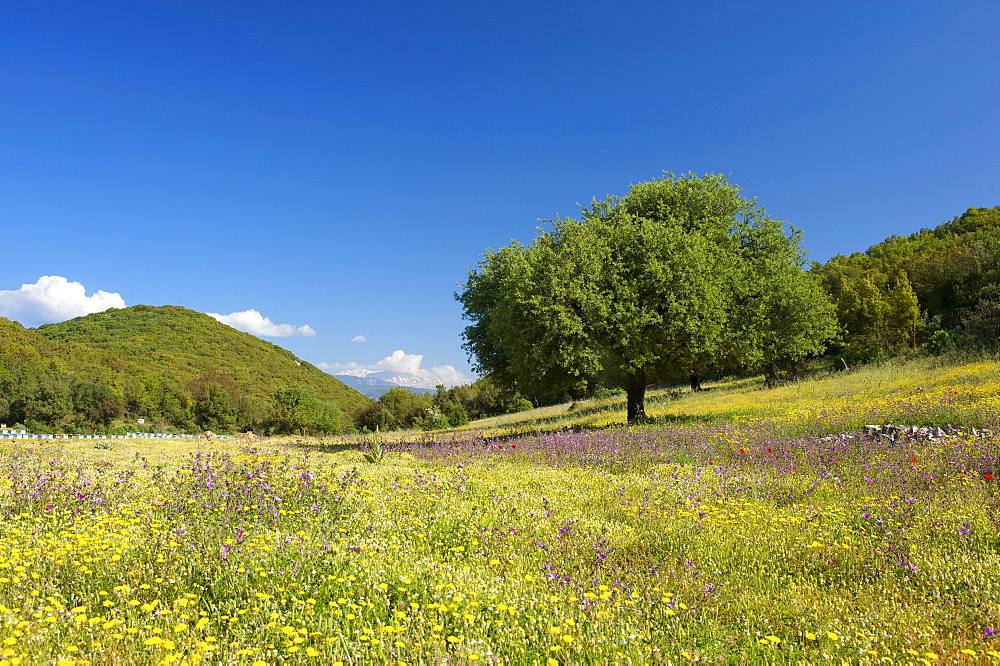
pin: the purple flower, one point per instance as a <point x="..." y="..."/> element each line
<point x="989" y="632"/>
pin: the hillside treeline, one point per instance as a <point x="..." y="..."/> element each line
<point x="162" y="369"/>
<point x="938" y="287"/>
<point x="399" y="408"/>
<point x="178" y="370"/>
<point x="181" y="371"/>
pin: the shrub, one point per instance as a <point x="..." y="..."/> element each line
<point x="520" y="405"/>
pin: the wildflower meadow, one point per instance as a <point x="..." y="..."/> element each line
<point x="785" y="537"/>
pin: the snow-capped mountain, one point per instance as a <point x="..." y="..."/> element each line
<point x="355" y="372"/>
<point x="374" y="383"/>
<point x="403" y="379"/>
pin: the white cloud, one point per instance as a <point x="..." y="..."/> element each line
<point x="448" y="375"/>
<point x="53" y="299"/>
<point x="253" y="322"/>
<point x="399" y="361"/>
<point x="359" y="338"/>
<point x="402" y="368"/>
<point x="335" y="367"/>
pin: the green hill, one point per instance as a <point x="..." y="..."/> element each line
<point x="905" y="290"/>
<point x="173" y="367"/>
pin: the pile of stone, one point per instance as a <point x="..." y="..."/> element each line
<point x="898" y="432"/>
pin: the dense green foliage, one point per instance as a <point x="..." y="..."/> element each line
<point x="174" y="368"/>
<point x="678" y="277"/>
<point x="940" y="285"/>
<point x="298" y="410"/>
<point x="399" y="408"/>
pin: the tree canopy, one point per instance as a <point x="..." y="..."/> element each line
<point x="679" y="276"/>
<point x="901" y="291"/>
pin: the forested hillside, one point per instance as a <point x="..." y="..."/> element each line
<point x="939" y="286"/>
<point x="172" y="367"/>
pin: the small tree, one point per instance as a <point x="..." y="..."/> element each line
<point x="878" y="312"/>
<point x="215" y="401"/>
<point x="904" y="311"/>
<point x="47" y="403"/>
<point x="298" y="410"/>
<point x="94" y="404"/>
<point x="374" y="416"/>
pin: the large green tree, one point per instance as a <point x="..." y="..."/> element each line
<point x="678" y="276"/>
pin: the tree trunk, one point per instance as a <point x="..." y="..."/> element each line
<point x="770" y="376"/>
<point x="695" y="382"/>
<point x="635" y="390"/>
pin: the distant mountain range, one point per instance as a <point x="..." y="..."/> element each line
<point x="374" y="384"/>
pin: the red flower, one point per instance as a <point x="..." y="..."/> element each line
<point x="769" y="450"/>
<point x="742" y="451"/>
<point x="513" y="446"/>
<point x="914" y="459"/>
<point x="988" y="476"/>
<point x="709" y="462"/>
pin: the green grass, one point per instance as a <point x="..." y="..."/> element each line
<point x="747" y="399"/>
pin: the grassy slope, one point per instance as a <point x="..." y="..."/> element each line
<point x="920" y="391"/>
<point x="177" y="345"/>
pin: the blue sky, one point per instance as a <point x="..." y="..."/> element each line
<point x="337" y="166"/>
